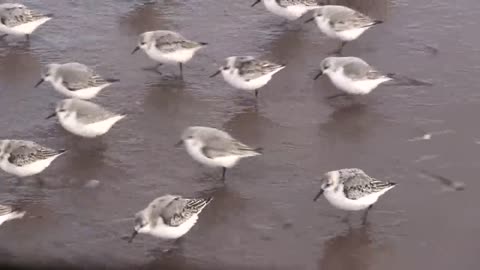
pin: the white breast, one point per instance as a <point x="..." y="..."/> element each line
<point x="355" y="87"/>
<point x="23" y="29"/>
<point x="168" y="232"/>
<point x="178" y="56"/>
<point x="72" y="125"/>
<point x="29" y="169"/>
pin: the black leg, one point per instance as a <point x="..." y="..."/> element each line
<point x="224" y="171"/>
<point x="366" y="214"/>
<point x="181" y="69"/>
<point x="340" y="49"/>
<point x="27" y="37"/>
<point x="256" y="92"/>
<point x="337" y="95"/>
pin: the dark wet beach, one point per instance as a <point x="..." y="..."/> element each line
<point x="263" y="217"/>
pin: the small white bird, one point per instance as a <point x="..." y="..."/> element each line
<point x="169" y="216"/>
<point x="248" y="73"/>
<point x="25" y="158"/>
<point x="168" y="47"/>
<point x="343" y="23"/>
<point x="352" y="75"/>
<point x="75" y="80"/>
<point x="8" y="213"/>
<point x="289" y="9"/>
<point x="84" y="118"/>
<point x="352" y="189"/>
<point x="18" y="20"/>
<point x="215" y="148"/>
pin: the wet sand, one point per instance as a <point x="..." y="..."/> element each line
<point x="263" y="217"/>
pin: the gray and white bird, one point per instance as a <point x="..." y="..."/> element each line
<point x="168" y="47"/>
<point x="8" y="213"/>
<point x="169" y="216"/>
<point x="18" y="20"/>
<point x="75" y="80"/>
<point x="84" y="118"/>
<point x="25" y="158"/>
<point x="352" y="75"/>
<point x="343" y="23"/>
<point x="248" y="73"/>
<point x="215" y="148"/>
<point x="352" y="189"/>
<point x="289" y="9"/>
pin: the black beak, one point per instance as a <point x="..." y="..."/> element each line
<point x="215" y="74"/>
<point x="256" y="2"/>
<point x="133" y="236"/>
<point x="39" y="82"/>
<point x="318" y="75"/>
<point x="310" y="20"/>
<point x="136" y="49"/>
<point x="51" y="115"/>
<point x="318" y="195"/>
<point x="179" y="143"/>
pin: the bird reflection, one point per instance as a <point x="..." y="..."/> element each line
<point x="353" y="250"/>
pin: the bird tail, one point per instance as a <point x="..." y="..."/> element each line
<point x="61" y="151"/>
<point x="258" y="150"/>
<point x="199" y="204"/>
<point x="49" y="15"/>
<point x="375" y="22"/>
<point x="112" y="80"/>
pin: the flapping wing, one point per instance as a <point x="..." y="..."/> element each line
<point x="180" y="210"/>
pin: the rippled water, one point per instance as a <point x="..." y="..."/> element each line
<point x="263" y="217"/>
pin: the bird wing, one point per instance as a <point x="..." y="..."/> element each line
<point x="286" y="3"/>
<point x="76" y="76"/>
<point x="89" y="113"/>
<point x="252" y="69"/>
<point x="25" y="153"/>
<point x="346" y="19"/>
<point x="217" y="146"/>
<point x="180" y="210"/>
<point x="170" y="42"/>
<point x="12" y="15"/>
<point x="358" y="70"/>
<point x="357" y="184"/>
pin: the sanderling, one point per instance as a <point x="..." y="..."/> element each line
<point x="18" y="20"/>
<point x="25" y="158"/>
<point x="352" y="75"/>
<point x="248" y="73"/>
<point x="85" y="118"/>
<point x="342" y="23"/>
<point x="215" y="148"/>
<point x="75" y="80"/>
<point x="8" y="213"/>
<point x="168" y="47"/>
<point x="352" y="189"/>
<point x="289" y="9"/>
<point x="169" y="216"/>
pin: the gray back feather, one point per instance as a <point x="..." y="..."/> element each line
<point x="26" y="152"/>
<point x="168" y="41"/>
<point x="176" y="209"/>
<point x="13" y="15"/>
<point x="357" y="184"/>
<point x="78" y="76"/>
<point x="286" y="3"/>
<point x="5" y="209"/>
<point x="250" y="68"/>
<point x="344" y="18"/>
<point x="357" y="69"/>
<point x="89" y="112"/>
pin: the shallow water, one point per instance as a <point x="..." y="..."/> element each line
<point x="263" y="217"/>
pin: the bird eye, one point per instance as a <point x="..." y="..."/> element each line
<point x="225" y="68"/>
<point x="62" y="110"/>
<point x="190" y="137"/>
<point x="143" y="43"/>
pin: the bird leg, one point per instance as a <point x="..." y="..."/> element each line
<point x="224" y="171"/>
<point x="180" y="65"/>
<point x="27" y="36"/>
<point x="340" y="49"/>
<point x="366" y="214"/>
<point x="256" y="92"/>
